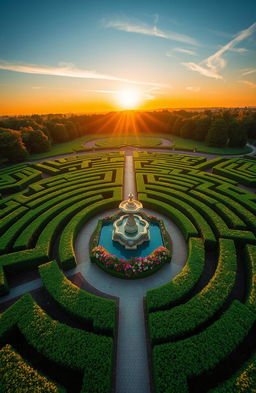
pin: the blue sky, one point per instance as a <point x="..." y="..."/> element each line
<point x="90" y="50"/>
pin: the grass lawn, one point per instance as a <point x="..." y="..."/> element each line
<point x="140" y="141"/>
<point x="63" y="148"/>
<point x="191" y="145"/>
<point x="122" y="141"/>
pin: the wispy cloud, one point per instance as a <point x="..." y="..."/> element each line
<point x="202" y="70"/>
<point x="147" y="94"/>
<point x="238" y="50"/>
<point x="142" y="28"/>
<point x="68" y="71"/>
<point x="249" y="83"/>
<point x="213" y="64"/>
<point x="249" y="71"/>
<point x="101" y="91"/>
<point x="193" y="88"/>
<point x="181" y="50"/>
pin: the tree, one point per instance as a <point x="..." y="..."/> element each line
<point x="35" y="140"/>
<point x="218" y="134"/>
<point x="249" y="124"/>
<point x="187" y="129"/>
<point x="11" y="145"/>
<point x="71" y="130"/>
<point x="58" y="132"/>
<point x="202" y="127"/>
<point x="177" y="126"/>
<point x="237" y="134"/>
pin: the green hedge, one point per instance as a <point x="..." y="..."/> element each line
<point x="203" y="193"/>
<point x="17" y="177"/>
<point x="240" y="170"/>
<point x="243" y="381"/>
<point x="8" y="220"/>
<point x="187" y="210"/>
<point x="166" y="295"/>
<point x="174" y="363"/>
<point x="69" y="233"/>
<point x="210" y="163"/>
<point x="17" y="376"/>
<point x="245" y="198"/>
<point x="183" y="319"/>
<point x="207" y="221"/>
<point x="185" y="225"/>
<point x="58" y="214"/>
<point x="81" y="304"/>
<point x="250" y="259"/>
<point x="68" y="347"/>
<point x="19" y="261"/>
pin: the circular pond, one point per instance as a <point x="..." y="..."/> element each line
<point x="118" y="250"/>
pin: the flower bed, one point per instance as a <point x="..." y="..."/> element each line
<point x="133" y="268"/>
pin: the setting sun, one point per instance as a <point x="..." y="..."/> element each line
<point x="129" y="99"/>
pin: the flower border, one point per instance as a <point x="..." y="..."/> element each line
<point x="134" y="267"/>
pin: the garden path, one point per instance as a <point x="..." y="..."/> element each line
<point x="132" y="357"/>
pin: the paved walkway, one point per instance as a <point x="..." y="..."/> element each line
<point x="132" y="357"/>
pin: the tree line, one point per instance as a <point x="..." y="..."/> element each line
<point x="24" y="135"/>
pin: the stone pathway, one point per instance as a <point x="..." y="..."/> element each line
<point x="132" y="358"/>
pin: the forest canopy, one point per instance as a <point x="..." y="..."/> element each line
<point x="24" y="135"/>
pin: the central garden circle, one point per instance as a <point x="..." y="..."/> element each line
<point x="128" y="245"/>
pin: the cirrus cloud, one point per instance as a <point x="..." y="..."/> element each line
<point x="67" y="70"/>
<point x="142" y="28"/>
<point x="212" y="65"/>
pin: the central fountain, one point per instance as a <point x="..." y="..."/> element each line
<point x="131" y="230"/>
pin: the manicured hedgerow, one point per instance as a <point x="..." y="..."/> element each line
<point x="17" y="177"/>
<point x="185" y="225"/>
<point x="210" y="163"/>
<point x="17" y="376"/>
<point x="250" y="258"/>
<point x="16" y="262"/>
<point x="193" y="340"/>
<point x="241" y="170"/>
<point x="68" y="235"/>
<point x="35" y="218"/>
<point x="81" y="304"/>
<point x="175" y="362"/>
<point x="166" y="295"/>
<point x="183" y="319"/>
<point x="60" y="344"/>
<point x="244" y="380"/>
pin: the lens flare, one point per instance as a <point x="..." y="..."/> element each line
<point x="129" y="99"/>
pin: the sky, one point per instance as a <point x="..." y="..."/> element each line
<point x="97" y="56"/>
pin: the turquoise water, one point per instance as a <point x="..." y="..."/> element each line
<point x="143" y="250"/>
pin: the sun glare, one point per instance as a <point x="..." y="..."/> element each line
<point x="129" y="99"/>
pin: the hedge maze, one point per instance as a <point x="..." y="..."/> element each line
<point x="39" y="224"/>
<point x="240" y="169"/>
<point x="17" y="177"/>
<point x="201" y="325"/>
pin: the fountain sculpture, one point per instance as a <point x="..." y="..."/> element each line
<point x="131" y="230"/>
